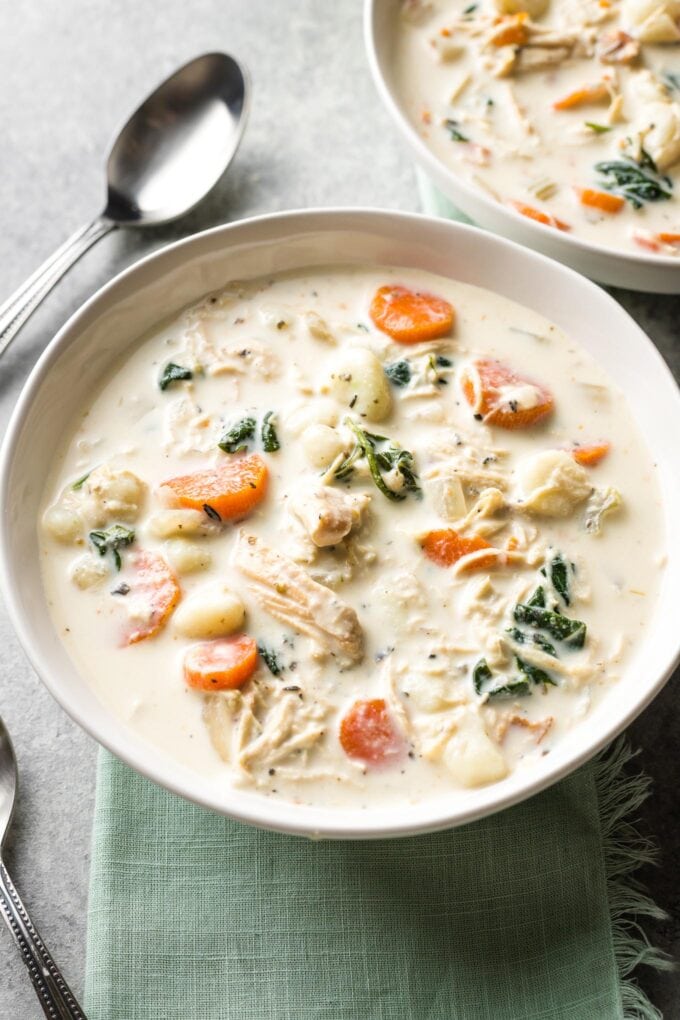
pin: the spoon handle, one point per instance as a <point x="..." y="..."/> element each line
<point x="23" y="302"/>
<point x="56" y="998"/>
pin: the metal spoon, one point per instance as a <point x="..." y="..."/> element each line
<point x="166" y="158"/>
<point x="56" y="998"/>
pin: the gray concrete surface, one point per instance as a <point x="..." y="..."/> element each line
<point x="69" y="72"/>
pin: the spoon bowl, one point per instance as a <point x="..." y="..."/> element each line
<point x="176" y="146"/>
<point x="165" y="159"/>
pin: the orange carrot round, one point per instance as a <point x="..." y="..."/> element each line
<point x="591" y="454"/>
<point x="369" y="733"/>
<point x="154" y="591"/>
<point x="221" y="665"/>
<point x="602" y="200"/>
<point x="539" y="216"/>
<point x="411" y="316"/>
<point x="446" y="547"/>
<point x="232" y="490"/>
<point x="669" y="237"/>
<point x="488" y="387"/>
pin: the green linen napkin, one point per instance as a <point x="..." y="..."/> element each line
<point x="523" y="916"/>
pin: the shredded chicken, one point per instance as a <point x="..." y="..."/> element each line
<point x="263" y="726"/>
<point x="287" y="591"/>
<point x="327" y="513"/>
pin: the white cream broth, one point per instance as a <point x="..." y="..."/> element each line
<point x="386" y="622"/>
<point x="488" y="113"/>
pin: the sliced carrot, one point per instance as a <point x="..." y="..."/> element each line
<point x="411" y="316"/>
<point x="232" y="490"/>
<point x="547" y="219"/>
<point x="597" y="93"/>
<point x="369" y="733"/>
<point x="446" y="547"/>
<point x="491" y="388"/>
<point x="647" y="241"/>
<point x="668" y="237"/>
<point x="592" y="454"/>
<point x="602" y="200"/>
<point x="511" y="31"/>
<point x="221" y="665"/>
<point x="154" y="593"/>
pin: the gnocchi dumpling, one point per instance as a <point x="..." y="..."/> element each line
<point x="322" y="411"/>
<point x="534" y="8"/>
<point x="88" y="571"/>
<point x="653" y="21"/>
<point x="359" y="382"/>
<point x="552" y="484"/>
<point x="187" y="557"/>
<point x="212" y="611"/>
<point x="471" y="756"/>
<point x="321" y="444"/>
<point x="63" y="523"/>
<point x="110" y="494"/>
<point x="173" y="523"/>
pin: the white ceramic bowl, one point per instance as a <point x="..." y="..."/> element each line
<point x="659" y="274"/>
<point x="158" y="286"/>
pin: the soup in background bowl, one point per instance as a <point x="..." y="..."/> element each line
<point x="555" y="123"/>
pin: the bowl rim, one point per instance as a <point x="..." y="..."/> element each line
<point x="427" y="158"/>
<point x="280" y="815"/>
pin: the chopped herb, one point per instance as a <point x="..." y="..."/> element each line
<point x="521" y="637"/>
<point x="559" y="577"/>
<point x="394" y="458"/>
<point x="454" y="131"/>
<point x="470" y="9"/>
<point x="435" y="363"/>
<point x="238" y="436"/>
<point x="513" y="689"/>
<point x="173" y="373"/>
<point x="599" y="129"/>
<point x="538" y="598"/>
<point x="114" y="538"/>
<point x="571" y="632"/>
<point x="533" y="673"/>
<point x="270" y="440"/>
<point x="398" y="372"/>
<point x="79" y="482"/>
<point x="122" y="589"/>
<point x="480" y="674"/>
<point x="211" y="512"/>
<point x="270" y="659"/>
<point x="638" y="182"/>
<point x="362" y="327"/>
<point x="671" y="80"/>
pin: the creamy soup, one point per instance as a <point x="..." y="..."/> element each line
<point x="350" y="536"/>
<point x="568" y="112"/>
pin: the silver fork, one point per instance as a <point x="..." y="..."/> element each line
<point x="56" y="998"/>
